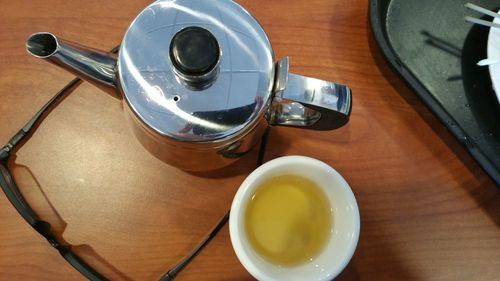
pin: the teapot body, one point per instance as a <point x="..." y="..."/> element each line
<point x="197" y="78"/>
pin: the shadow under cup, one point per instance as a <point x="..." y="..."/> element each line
<point x="345" y="225"/>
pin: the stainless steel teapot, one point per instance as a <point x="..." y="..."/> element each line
<point x="200" y="82"/>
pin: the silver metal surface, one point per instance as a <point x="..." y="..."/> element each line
<point x="196" y="157"/>
<point x="308" y="102"/>
<point x="281" y="79"/>
<point x="236" y="100"/>
<point x="206" y="128"/>
<point x="95" y="66"/>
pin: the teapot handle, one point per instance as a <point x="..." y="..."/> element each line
<point x="307" y="102"/>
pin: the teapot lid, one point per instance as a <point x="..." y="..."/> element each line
<point x="196" y="71"/>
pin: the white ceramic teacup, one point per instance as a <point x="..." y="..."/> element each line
<point x="345" y="226"/>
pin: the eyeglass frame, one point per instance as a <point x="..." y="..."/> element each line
<point x="44" y="228"/>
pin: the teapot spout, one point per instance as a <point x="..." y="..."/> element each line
<point x="94" y="66"/>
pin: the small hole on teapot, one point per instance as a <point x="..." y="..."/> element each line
<point x="177" y="98"/>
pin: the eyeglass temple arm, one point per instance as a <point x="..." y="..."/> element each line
<point x="21" y="134"/>
<point x="15" y="197"/>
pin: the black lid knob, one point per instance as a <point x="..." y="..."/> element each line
<point x="194" y="51"/>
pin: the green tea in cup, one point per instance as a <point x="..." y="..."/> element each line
<point x="288" y="220"/>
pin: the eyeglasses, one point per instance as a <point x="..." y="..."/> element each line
<point x="44" y="228"/>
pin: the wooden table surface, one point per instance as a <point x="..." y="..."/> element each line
<point x="428" y="211"/>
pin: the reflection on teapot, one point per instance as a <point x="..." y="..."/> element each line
<point x="229" y="118"/>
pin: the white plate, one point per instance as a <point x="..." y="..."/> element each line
<point x="494" y="53"/>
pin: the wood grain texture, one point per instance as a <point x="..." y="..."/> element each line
<point x="428" y="211"/>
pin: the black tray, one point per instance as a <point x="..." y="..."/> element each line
<point x="431" y="46"/>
